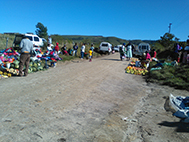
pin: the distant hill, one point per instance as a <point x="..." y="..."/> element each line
<point x="97" y="39"/>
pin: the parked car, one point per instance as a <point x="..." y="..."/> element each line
<point x="37" y="41"/>
<point x="116" y="48"/>
<point x="105" y="47"/>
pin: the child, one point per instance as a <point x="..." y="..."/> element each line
<point x="92" y="48"/>
<point x="90" y="55"/>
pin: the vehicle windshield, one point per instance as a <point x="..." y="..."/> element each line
<point x="104" y="44"/>
<point x="144" y="47"/>
<point x="36" y="39"/>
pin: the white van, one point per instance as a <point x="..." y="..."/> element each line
<point x="142" y="48"/>
<point x="37" y="41"/>
<point x="105" y="47"/>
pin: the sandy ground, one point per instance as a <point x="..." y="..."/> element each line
<point x="82" y="101"/>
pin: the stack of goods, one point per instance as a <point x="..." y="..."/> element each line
<point x="133" y="61"/>
<point x="7" y="58"/>
<point x="9" y="72"/>
<point x="9" y="61"/>
<point x="35" y="66"/>
<point x="4" y="74"/>
<point x="136" y="68"/>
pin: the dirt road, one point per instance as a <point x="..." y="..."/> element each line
<point x="81" y="101"/>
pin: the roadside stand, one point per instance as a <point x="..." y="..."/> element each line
<point x="39" y="61"/>
<point x="137" y="67"/>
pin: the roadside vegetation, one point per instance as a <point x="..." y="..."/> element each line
<point x="174" y="76"/>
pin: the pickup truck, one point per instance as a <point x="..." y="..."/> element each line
<point x="141" y="49"/>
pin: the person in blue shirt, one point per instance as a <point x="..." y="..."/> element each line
<point x="75" y="47"/>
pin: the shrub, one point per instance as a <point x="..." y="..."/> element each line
<point x="174" y="76"/>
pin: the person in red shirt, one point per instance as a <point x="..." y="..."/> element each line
<point x="56" y="48"/>
<point x="154" y="53"/>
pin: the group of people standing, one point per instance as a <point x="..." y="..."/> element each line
<point x="126" y="51"/>
<point x="151" y="55"/>
<point x="74" y="51"/>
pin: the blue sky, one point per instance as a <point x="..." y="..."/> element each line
<point x="126" y="19"/>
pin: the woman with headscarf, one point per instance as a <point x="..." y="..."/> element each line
<point x="129" y="51"/>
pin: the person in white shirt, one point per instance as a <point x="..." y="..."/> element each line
<point x="49" y="48"/>
<point x="50" y="40"/>
<point x="82" y="50"/>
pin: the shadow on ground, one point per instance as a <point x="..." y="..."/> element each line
<point x="112" y="59"/>
<point x="180" y="126"/>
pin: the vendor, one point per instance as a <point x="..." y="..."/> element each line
<point x="153" y="53"/>
<point x="148" y="57"/>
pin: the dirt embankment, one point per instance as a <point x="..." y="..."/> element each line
<point x="86" y="101"/>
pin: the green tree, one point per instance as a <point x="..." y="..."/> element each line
<point x="167" y="39"/>
<point x="41" y="30"/>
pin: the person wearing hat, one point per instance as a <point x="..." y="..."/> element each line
<point x="26" y="47"/>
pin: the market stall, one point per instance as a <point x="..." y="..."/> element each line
<point x="9" y="62"/>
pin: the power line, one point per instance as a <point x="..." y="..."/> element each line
<point x="182" y="22"/>
<point x="181" y="14"/>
